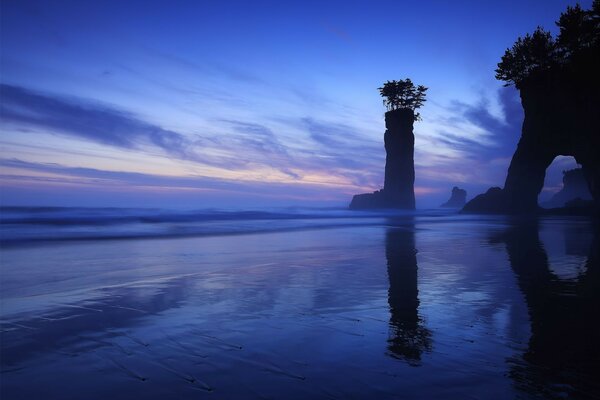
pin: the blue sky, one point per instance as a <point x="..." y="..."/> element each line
<point x="233" y="104"/>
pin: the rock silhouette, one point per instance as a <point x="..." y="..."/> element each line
<point x="574" y="187"/>
<point x="401" y="98"/>
<point x="457" y="199"/>
<point x="398" y="190"/>
<point x="561" y="118"/>
<point x="559" y="85"/>
<point x="492" y="201"/>
<point x="399" y="187"/>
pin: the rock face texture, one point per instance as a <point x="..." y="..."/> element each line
<point x="574" y="187"/>
<point x="457" y="199"/>
<point x="562" y="117"/>
<point x="398" y="190"/>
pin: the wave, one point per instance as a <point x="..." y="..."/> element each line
<point x="61" y="216"/>
<point x="23" y="225"/>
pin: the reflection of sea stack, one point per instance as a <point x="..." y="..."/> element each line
<point x="409" y="338"/>
<point x="457" y="199"/>
<point x="401" y="99"/>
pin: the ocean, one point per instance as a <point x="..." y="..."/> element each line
<point x="296" y="303"/>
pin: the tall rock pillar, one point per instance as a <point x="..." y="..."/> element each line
<point x="401" y="98"/>
<point x="399" y="186"/>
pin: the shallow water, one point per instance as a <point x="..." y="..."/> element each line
<point x="313" y="305"/>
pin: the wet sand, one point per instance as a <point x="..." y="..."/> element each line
<point x="407" y="307"/>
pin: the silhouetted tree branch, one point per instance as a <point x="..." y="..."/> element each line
<point x="536" y="52"/>
<point x="403" y="94"/>
<point x="577" y="43"/>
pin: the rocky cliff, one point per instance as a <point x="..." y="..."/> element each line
<point x="561" y="118"/>
<point x="559" y="84"/>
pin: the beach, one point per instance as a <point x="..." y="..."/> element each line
<point x="301" y="304"/>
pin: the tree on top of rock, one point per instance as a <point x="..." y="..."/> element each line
<point x="577" y="46"/>
<point x="533" y="53"/>
<point x="403" y="94"/>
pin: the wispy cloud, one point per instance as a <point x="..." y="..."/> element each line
<point x="53" y="173"/>
<point x="110" y="126"/>
<point x="95" y="122"/>
<point x="502" y="130"/>
<point x="473" y="139"/>
<point x="327" y="153"/>
<point x="333" y="150"/>
<point x="212" y="68"/>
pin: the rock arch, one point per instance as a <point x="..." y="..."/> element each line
<point x="562" y="117"/>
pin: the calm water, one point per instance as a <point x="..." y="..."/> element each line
<point x="299" y="304"/>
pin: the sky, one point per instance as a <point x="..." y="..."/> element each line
<point x="234" y="104"/>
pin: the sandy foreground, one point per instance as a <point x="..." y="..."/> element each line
<point x="405" y="307"/>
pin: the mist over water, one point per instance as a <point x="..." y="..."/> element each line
<point x="297" y="304"/>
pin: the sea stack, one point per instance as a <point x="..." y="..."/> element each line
<point x="457" y="199"/>
<point x="399" y="186"/>
<point x="401" y="98"/>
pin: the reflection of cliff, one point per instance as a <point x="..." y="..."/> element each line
<point x="574" y="187"/>
<point x="398" y="190"/>
<point x="408" y="337"/>
<point x="563" y="354"/>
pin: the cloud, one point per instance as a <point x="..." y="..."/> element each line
<point x="343" y="143"/>
<point x="113" y="127"/>
<point x="209" y="67"/>
<point x="236" y="145"/>
<point x="53" y="173"/>
<point x="325" y="153"/>
<point x="504" y="130"/>
<point x="343" y="151"/>
<point x="259" y="142"/>
<point x="474" y="139"/>
<point x="81" y="119"/>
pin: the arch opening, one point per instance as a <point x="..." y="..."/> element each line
<point x="564" y="182"/>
